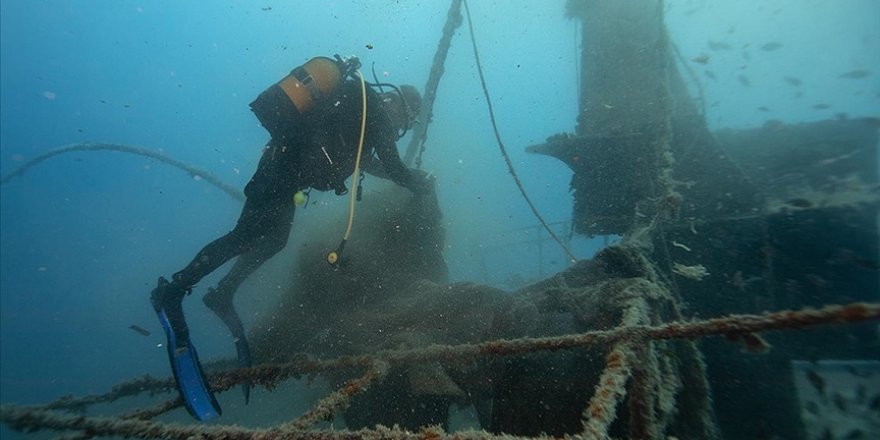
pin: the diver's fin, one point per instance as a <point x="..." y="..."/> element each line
<point x="221" y="305"/>
<point x="196" y="395"/>
<point x="244" y="361"/>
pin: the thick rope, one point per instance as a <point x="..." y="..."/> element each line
<point x="32" y="419"/>
<point x="522" y="190"/>
<point x="731" y="326"/>
<point x="193" y="171"/>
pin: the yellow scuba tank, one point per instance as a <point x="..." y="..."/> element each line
<point x="281" y="107"/>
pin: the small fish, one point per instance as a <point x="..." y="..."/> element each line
<point x="771" y="46"/>
<point x="812" y="408"/>
<point x="718" y="45"/>
<point x="369" y="46"/>
<point x="139" y="329"/>
<point x="792" y="80"/>
<point x="701" y="59"/>
<point x="855" y="74"/>
<point x="746" y="56"/>
<point x="764" y="108"/>
<point x="826" y="435"/>
<point x="839" y="401"/>
<point x="821" y="106"/>
<point x="709" y="74"/>
<point x="874" y="404"/>
<point x="817" y="381"/>
<point x="744" y="80"/>
<point x="267" y="8"/>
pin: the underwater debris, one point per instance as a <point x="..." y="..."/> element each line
<point x="679" y="245"/>
<point x="697" y="272"/>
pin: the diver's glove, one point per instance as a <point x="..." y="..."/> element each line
<point x="167" y="300"/>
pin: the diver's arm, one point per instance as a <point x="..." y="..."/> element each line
<point x="392" y="168"/>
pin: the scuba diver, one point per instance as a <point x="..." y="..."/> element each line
<point x="326" y="123"/>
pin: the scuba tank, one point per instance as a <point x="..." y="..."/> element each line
<point x="282" y="107"/>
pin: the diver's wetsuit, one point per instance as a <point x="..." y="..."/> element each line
<point x="321" y="155"/>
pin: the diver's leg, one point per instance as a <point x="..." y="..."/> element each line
<point x="220" y="300"/>
<point x="276" y="223"/>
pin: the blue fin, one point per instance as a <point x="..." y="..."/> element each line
<point x="196" y="395"/>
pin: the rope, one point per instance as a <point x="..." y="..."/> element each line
<point x="271" y="375"/>
<point x="195" y="172"/>
<point x="733" y="327"/>
<point x="507" y="160"/>
<point x="420" y="131"/>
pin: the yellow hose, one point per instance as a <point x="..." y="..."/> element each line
<point x="333" y="257"/>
